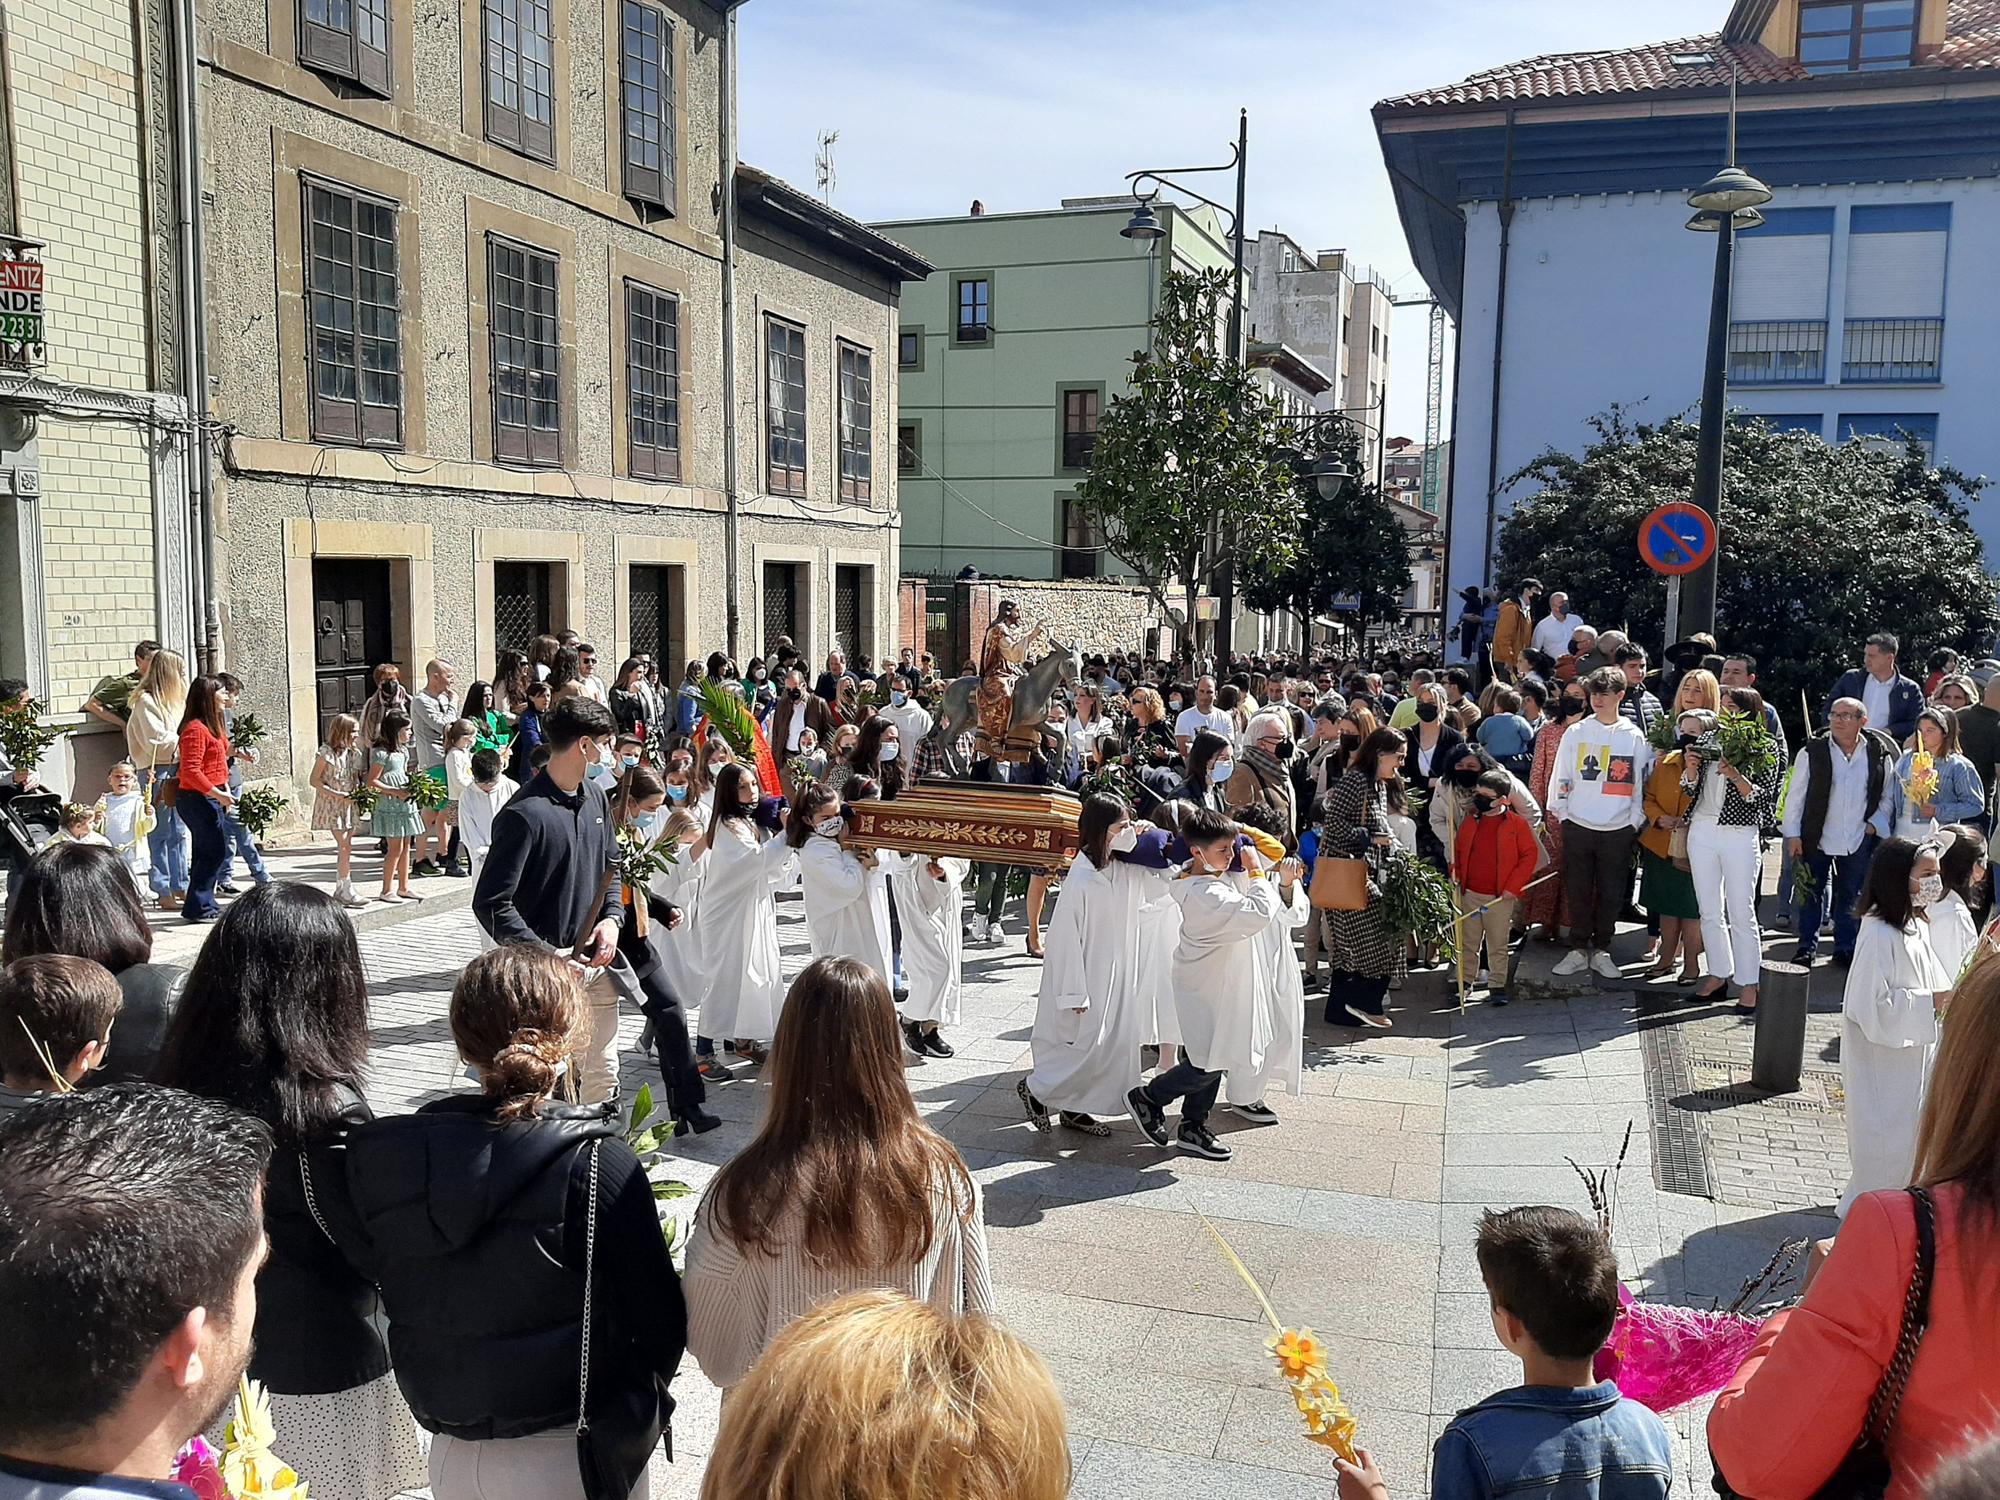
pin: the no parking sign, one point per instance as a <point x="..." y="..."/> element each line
<point x="1677" y="538"/>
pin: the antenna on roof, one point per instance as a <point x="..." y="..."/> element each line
<point x="823" y="165"/>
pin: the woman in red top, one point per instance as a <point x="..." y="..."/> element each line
<point x="1795" y="1407"/>
<point x="204" y="802"/>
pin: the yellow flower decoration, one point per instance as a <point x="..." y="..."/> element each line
<point x="1298" y="1353"/>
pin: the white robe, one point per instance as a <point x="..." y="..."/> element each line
<point x="933" y="939"/>
<point x="1159" y="933"/>
<point x="1887" y="1036"/>
<point x="1225" y="1027"/>
<point x="1281" y="994"/>
<point x="1952" y="933"/>
<point x="1095" y="1008"/>
<point x="745" y="984"/>
<point x="847" y="904"/>
<point x="680" y="958"/>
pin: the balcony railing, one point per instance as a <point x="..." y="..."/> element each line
<point x="1890" y="351"/>
<point x="1788" y="351"/>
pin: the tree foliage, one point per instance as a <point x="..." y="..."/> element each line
<point x="1352" y="544"/>
<point x="1820" y="546"/>
<point x="1186" y="479"/>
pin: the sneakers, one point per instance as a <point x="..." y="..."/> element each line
<point x="1198" y="1140"/>
<point x="933" y="1044"/>
<point x="228" y="888"/>
<point x="1803" y="957"/>
<point x="711" y="1066"/>
<point x="913" y="1035"/>
<point x="1571" y="963"/>
<point x="1602" y="966"/>
<point x="1257" y="1113"/>
<point x="1038" y="1112"/>
<point x="1148" y="1116"/>
<point x="980" y="930"/>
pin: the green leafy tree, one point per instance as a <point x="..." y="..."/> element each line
<point x="1186" y="480"/>
<point x="1821" y="545"/>
<point x="1351" y="544"/>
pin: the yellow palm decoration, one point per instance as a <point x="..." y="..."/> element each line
<point x="249" y="1467"/>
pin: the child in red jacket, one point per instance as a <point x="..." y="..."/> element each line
<point x="1494" y="861"/>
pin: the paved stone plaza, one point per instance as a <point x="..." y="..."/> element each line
<point x="1356" y="1212"/>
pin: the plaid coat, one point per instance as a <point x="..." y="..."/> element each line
<point x="1355" y="814"/>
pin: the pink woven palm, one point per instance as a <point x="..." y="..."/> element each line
<point x="1664" y="1357"/>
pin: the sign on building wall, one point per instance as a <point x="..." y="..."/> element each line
<point x="22" y="331"/>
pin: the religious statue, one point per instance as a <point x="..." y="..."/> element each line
<point x="1000" y="660"/>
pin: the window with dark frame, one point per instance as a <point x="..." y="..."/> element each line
<point x="525" y="352"/>
<point x="353" y="316"/>
<point x="785" y="406"/>
<point x="975" y="310"/>
<point x="520" y="67"/>
<point x="909" y="349"/>
<point x="857" y="423"/>
<point x="1857" y="36"/>
<point x="652" y="383"/>
<point x="646" y="102"/>
<point x="1081" y="542"/>
<point x="1079" y="435"/>
<point x="347" y="39"/>
<point x="909" y="448"/>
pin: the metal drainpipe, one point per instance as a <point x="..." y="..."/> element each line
<point x="733" y="526"/>
<point x="1499" y="349"/>
<point x="194" y="338"/>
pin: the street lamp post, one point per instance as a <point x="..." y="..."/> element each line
<point x="1145" y="227"/>
<point x="1723" y="205"/>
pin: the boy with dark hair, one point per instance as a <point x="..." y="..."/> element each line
<point x="131" y="1233"/>
<point x="55" y="1023"/>
<point x="1493" y="859"/>
<point x="1553" y="1282"/>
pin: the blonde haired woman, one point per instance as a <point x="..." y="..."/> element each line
<point x="1699" y="692"/>
<point x="878" y="1397"/>
<point x="843" y="1187"/>
<point x="153" y="745"/>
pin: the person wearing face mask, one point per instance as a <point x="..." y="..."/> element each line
<point x="1453" y="796"/>
<point x="810" y="763"/>
<point x="797" y="711"/>
<point x="1365" y="956"/>
<point x="1262" y="775"/>
<point x="1493" y="859"/>
<point x="738" y="934"/>
<point x="1104" y="971"/>
<point x="896" y="703"/>
<point x="1896" y="990"/>
<point x="927" y="910"/>
<point x="641" y="808"/>
<point x="1729" y="811"/>
<point x="1210" y="764"/>
<point x="846" y="890"/>
<point x="1546" y="906"/>
<point x="1434" y="745"/>
<point x="1225" y="910"/>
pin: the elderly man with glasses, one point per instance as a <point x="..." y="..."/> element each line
<point x="1838" y="808"/>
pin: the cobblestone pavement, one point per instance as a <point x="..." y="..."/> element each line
<point x="1356" y="1213"/>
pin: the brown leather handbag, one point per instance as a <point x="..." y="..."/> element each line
<point x="1339" y="884"/>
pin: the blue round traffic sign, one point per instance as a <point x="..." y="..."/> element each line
<point x="1677" y="538"/>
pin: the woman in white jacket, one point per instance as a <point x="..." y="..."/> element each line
<point x="1889" y="1016"/>
<point x="1099" y="977"/>
<point x="153" y="745"/>
<point x="846" y="891"/>
<point x="744" y="984"/>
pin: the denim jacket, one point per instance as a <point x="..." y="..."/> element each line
<point x="1554" y="1444"/>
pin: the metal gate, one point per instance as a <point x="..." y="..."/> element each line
<point x="847" y="589"/>
<point x="520" y="604"/>
<point x="350" y="633"/>
<point x="652" y="616"/>
<point x="781" y="604"/>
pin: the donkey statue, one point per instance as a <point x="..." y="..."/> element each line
<point x="1060" y="666"/>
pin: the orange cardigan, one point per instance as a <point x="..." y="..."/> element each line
<point x="1797" y="1403"/>
<point x="204" y="760"/>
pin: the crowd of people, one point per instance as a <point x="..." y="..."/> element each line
<point x="628" y="848"/>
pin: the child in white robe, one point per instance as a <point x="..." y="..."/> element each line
<point x="846" y="890"/>
<point x="930" y="901"/>
<point x="1281" y="992"/>
<point x="744" y="982"/>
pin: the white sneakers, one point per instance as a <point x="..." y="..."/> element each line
<point x="979" y="931"/>
<point x="1596" y="960"/>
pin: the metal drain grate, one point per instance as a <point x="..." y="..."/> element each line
<point x="1680" y="1139"/>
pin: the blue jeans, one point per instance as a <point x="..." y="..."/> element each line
<point x="1841" y="876"/>
<point x="205" y="824"/>
<point x="167" y="843"/>
<point x="241" y="841"/>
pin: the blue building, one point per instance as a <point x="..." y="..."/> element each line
<point x="1544" y="202"/>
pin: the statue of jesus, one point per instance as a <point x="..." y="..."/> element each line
<point x="1000" y="661"/>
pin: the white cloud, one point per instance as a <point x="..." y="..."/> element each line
<point x="1021" y="103"/>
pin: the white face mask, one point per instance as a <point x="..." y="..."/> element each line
<point x="1125" y="840"/>
<point x="890" y="750"/>
<point x="830" y="827"/>
<point x="1221" y="771"/>
<point x="1927" y="891"/>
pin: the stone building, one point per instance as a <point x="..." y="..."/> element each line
<point x="472" y="267"/>
<point x="96" y="477"/>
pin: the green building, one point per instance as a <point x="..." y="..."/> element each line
<point x="1008" y="353"/>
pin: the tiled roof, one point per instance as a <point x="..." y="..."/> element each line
<point x="1972" y="41"/>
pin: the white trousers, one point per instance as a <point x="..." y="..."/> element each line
<point x="597" y="1060"/>
<point x="541" y="1467"/>
<point x="1724" y="862"/>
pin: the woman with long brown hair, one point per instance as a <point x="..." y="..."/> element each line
<point x="844" y="1188"/>
<point x="204" y="800"/>
<point x="1797" y="1403"/>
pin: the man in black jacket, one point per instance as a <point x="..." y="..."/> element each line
<point x="549" y="878"/>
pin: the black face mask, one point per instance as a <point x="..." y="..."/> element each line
<point x="795" y="693"/>
<point x="1572" y="709"/>
<point x="1468" y="776"/>
<point x="1350" y="743"/>
<point x="1486" y="803"/>
<point x="1427" y="711"/>
<point x="1688" y="741"/>
<point x="1283" y="750"/>
<point x="1575" y="647"/>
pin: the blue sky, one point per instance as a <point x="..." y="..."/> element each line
<point x="1021" y="103"/>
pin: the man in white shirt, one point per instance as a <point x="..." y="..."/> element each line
<point x="1837" y="809"/>
<point x="912" y="720"/>
<point x="1601" y="766"/>
<point x="1553" y="631"/>
<point x="591" y="685"/>
<point x="1203" y="715"/>
<point x="432" y="712"/>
